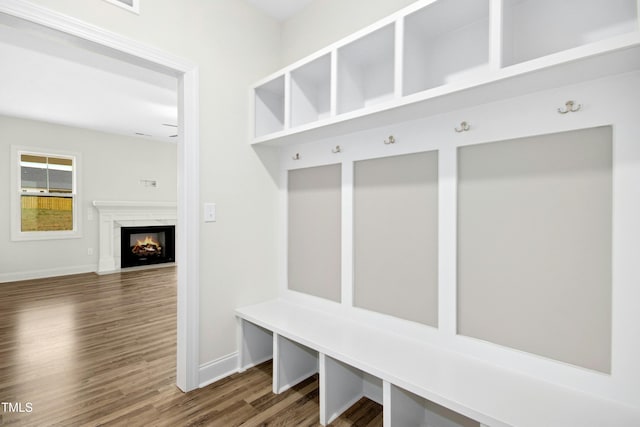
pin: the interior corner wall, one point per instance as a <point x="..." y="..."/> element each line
<point x="111" y="167"/>
<point x="324" y="22"/>
<point x="233" y="45"/>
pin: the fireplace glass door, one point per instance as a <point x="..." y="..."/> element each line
<point x="147" y="245"/>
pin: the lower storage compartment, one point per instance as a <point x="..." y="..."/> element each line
<point x="403" y="408"/>
<point x="341" y="386"/>
<point x="256" y="345"/>
<point x="292" y="363"/>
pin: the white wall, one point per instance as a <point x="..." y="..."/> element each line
<point x="111" y="167"/>
<point x="324" y="22"/>
<point x="233" y="45"/>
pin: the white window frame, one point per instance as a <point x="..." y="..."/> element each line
<point x="135" y="5"/>
<point x="16" y="183"/>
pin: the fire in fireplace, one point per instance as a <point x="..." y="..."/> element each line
<point x="147" y="245"/>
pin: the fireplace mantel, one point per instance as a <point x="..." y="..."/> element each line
<point x="116" y="214"/>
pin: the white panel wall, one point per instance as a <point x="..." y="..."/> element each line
<point x="605" y="102"/>
<point x="314" y="251"/>
<point x="396" y="236"/>
<point x="534" y="245"/>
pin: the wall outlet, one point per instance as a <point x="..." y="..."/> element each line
<point x="152" y="183"/>
<point x="90" y="251"/>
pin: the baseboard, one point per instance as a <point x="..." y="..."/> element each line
<point x="46" y="273"/>
<point x="218" y="369"/>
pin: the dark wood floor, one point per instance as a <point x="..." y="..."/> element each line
<point x="100" y="350"/>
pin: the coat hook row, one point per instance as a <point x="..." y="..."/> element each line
<point x="296" y="157"/>
<point x="338" y="149"/>
<point x="464" y="127"/>
<point x="390" y="140"/>
<point x="570" y="107"/>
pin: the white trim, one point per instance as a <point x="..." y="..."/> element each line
<point x="188" y="232"/>
<point x="187" y="241"/>
<point x="134" y="8"/>
<point x="50" y="272"/>
<point x="218" y="369"/>
<point x="132" y="204"/>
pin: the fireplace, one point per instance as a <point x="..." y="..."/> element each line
<point x="147" y="245"/>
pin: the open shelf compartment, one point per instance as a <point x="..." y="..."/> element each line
<point x="269" y="107"/>
<point x="311" y="91"/>
<point x="536" y="28"/>
<point x="292" y="363"/>
<point x="341" y="386"/>
<point x="403" y="408"/>
<point x="445" y="42"/>
<point x="256" y="345"/>
<point x="366" y="70"/>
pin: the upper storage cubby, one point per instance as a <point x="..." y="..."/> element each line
<point x="269" y="107"/>
<point x="311" y="91"/>
<point x="366" y="70"/>
<point x="446" y="41"/>
<point x="535" y="28"/>
<point x="417" y="61"/>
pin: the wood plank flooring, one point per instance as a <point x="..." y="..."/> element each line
<point x="90" y="350"/>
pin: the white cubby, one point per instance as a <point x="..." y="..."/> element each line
<point x="342" y="385"/>
<point x="403" y="408"/>
<point x="256" y="345"/>
<point x="536" y="28"/>
<point x="292" y="363"/>
<point x="311" y="91"/>
<point x="445" y="42"/>
<point x="269" y="107"/>
<point x="433" y="49"/>
<point x="366" y="70"/>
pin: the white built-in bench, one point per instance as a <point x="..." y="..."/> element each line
<point x="413" y="380"/>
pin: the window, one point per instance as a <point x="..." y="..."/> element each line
<point x="130" y="5"/>
<point x="46" y="202"/>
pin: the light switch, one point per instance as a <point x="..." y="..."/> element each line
<point x="209" y="212"/>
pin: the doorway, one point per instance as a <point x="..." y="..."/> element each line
<point x="122" y="48"/>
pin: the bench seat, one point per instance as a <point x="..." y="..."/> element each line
<point x="484" y="392"/>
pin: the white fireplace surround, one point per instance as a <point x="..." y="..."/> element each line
<point x="114" y="215"/>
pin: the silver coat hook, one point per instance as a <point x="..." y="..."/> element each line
<point x="296" y="157"/>
<point x="390" y="140"/>
<point x="337" y="149"/>
<point x="570" y="107"/>
<point x="464" y="126"/>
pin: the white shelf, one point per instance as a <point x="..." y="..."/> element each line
<point x="366" y="70"/>
<point x="439" y="55"/>
<point x="269" y="107"/>
<point x="445" y="42"/>
<point x="536" y="28"/>
<point x="311" y="91"/>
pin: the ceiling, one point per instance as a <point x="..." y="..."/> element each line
<point x="49" y="76"/>
<point x="280" y="9"/>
